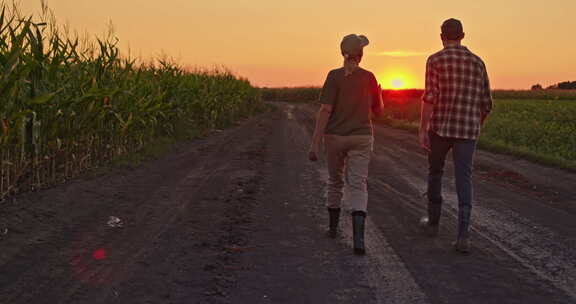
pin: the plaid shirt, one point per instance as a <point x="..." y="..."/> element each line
<point x="458" y="87"/>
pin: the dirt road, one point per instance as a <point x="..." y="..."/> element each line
<point x="238" y="217"/>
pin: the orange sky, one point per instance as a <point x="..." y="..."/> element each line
<point x="295" y="43"/>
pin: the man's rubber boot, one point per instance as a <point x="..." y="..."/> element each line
<point x="334" y="214"/>
<point x="427" y="228"/>
<point x="430" y="225"/>
<point x="462" y="245"/>
<point x="358" y="222"/>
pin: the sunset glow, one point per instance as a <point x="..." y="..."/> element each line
<point x="297" y="43"/>
<point x="396" y="79"/>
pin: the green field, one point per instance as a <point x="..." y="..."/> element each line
<point x="71" y="104"/>
<point x="537" y="129"/>
<point x="540" y="129"/>
<point x="537" y="125"/>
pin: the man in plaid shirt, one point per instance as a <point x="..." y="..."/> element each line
<point x="455" y="104"/>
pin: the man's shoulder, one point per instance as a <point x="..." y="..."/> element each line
<point x="476" y="58"/>
<point x="456" y="52"/>
<point x="448" y="52"/>
<point x="436" y="55"/>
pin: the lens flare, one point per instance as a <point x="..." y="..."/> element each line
<point x="91" y="266"/>
<point x="99" y="254"/>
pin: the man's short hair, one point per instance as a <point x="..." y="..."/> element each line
<point x="452" y="29"/>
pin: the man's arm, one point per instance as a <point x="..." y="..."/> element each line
<point x="425" y="116"/>
<point x="428" y="100"/>
<point x="487" y="103"/>
<point x="322" y="118"/>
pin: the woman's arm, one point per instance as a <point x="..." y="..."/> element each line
<point x="321" y="121"/>
<point x="377" y="103"/>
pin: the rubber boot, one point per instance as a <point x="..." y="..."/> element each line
<point x="358" y="222"/>
<point x="334" y="214"/>
<point x="430" y="224"/>
<point x="434" y="213"/>
<point x="462" y="245"/>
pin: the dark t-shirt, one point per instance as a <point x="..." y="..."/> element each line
<point x="351" y="98"/>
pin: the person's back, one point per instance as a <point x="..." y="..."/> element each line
<point x="455" y="104"/>
<point x="343" y="123"/>
<point x="458" y="84"/>
<point x="352" y="97"/>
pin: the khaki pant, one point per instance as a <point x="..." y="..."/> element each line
<point x="348" y="157"/>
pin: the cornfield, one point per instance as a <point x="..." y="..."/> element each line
<point x="68" y="104"/>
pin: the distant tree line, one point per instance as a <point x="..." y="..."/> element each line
<point x="566" y="85"/>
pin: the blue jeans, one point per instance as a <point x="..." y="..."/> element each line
<point x="463" y="155"/>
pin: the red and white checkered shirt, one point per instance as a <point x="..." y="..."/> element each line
<point x="458" y="87"/>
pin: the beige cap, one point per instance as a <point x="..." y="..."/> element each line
<point x="352" y="44"/>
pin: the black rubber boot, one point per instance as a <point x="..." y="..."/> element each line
<point x="462" y="245"/>
<point x="430" y="225"/>
<point x="334" y="214"/>
<point x="358" y="222"/>
<point x="434" y="212"/>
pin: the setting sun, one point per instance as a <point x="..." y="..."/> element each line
<point x="397" y="84"/>
<point x="397" y="79"/>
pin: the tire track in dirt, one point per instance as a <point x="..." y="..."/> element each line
<point x="239" y="217"/>
<point x="150" y="206"/>
<point x="547" y="254"/>
<point x="513" y="244"/>
<point x="384" y="271"/>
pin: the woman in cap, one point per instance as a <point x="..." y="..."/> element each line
<point x="350" y="96"/>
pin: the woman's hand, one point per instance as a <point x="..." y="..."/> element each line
<point x="322" y="118"/>
<point x="313" y="156"/>
<point x="314" y="151"/>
